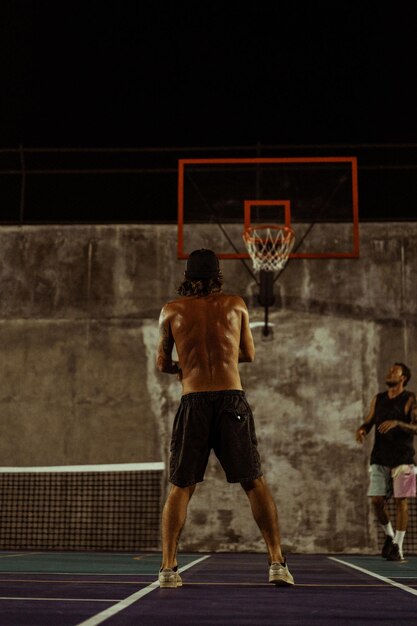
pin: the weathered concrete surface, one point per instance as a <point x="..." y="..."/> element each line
<point x="306" y="404"/>
<point x="78" y="325"/>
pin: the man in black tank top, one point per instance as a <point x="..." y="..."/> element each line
<point x="392" y="464"/>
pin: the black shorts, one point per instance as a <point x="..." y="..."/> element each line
<point x="218" y="420"/>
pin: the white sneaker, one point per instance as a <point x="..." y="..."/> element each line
<point x="169" y="578"/>
<point x="280" y="575"/>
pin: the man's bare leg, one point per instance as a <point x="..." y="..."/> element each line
<point x="379" y="504"/>
<point x="265" y="513"/>
<point x="401" y="505"/>
<point x="173" y="520"/>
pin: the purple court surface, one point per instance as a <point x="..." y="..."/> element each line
<point x="87" y="589"/>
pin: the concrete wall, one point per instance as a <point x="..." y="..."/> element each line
<point x="79" y="310"/>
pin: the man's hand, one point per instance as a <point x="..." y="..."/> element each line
<point x="174" y="368"/>
<point x="387" y="425"/>
<point x="179" y="370"/>
<point x="360" y="435"/>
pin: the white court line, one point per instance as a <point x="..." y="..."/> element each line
<point x="13" y="556"/>
<point x="41" y="573"/>
<point x="123" y="604"/>
<point x="57" y="599"/>
<point x="389" y="581"/>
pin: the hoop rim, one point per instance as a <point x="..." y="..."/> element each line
<point x="248" y="232"/>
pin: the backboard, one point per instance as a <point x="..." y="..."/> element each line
<point x="316" y="196"/>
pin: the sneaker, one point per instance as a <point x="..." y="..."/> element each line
<point x="280" y="575"/>
<point x="169" y="578"/>
<point x="387" y="547"/>
<point x="395" y="554"/>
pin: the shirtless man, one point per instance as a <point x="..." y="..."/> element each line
<point x="212" y="336"/>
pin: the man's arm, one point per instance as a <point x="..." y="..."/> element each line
<point x="411" y="410"/>
<point x="164" y="361"/>
<point x="246" y="346"/>
<point x="364" y="428"/>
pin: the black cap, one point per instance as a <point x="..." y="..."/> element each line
<point x="202" y="264"/>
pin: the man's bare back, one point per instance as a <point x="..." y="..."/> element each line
<point x="211" y="335"/>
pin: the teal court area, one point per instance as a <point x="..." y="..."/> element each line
<point x="117" y="589"/>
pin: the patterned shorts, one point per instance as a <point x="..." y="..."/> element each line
<point x="399" y="482"/>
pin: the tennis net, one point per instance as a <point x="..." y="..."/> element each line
<point x="81" y="507"/>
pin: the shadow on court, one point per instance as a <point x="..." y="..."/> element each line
<point x="87" y="589"/>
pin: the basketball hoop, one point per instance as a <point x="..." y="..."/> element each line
<point x="269" y="246"/>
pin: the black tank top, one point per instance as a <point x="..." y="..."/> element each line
<point x="396" y="447"/>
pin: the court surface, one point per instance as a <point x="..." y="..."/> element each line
<point x="87" y="589"/>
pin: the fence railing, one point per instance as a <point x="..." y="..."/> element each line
<point x="110" y="185"/>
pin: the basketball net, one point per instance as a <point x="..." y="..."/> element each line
<point x="269" y="246"/>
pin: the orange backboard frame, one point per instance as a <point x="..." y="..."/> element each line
<point x="248" y="204"/>
<point x="352" y="254"/>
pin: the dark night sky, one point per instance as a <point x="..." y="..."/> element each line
<point x="182" y="73"/>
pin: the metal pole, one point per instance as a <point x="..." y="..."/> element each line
<point x="23" y="185"/>
<point x="265" y="331"/>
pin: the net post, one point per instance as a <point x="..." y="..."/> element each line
<point x="266" y="296"/>
<point x="266" y="290"/>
